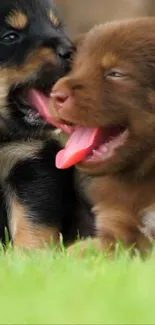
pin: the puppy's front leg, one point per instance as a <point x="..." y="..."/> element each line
<point x="119" y="224"/>
<point x="112" y="226"/>
<point x="34" y="194"/>
<point x="25" y="231"/>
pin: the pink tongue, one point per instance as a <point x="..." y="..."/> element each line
<point x="41" y="103"/>
<point x="80" y="144"/>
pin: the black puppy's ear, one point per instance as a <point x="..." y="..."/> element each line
<point x="79" y="40"/>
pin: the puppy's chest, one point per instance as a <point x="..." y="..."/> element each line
<point x="137" y="204"/>
<point x="148" y="223"/>
<point x="82" y="183"/>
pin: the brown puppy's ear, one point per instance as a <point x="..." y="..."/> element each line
<point x="79" y="40"/>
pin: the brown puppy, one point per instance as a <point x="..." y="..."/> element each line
<point x="112" y="89"/>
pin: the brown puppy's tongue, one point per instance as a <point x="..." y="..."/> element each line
<point x="80" y="144"/>
<point x="41" y="103"/>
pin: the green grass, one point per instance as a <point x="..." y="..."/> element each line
<point x="56" y="288"/>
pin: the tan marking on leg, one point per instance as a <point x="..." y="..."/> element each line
<point x="27" y="234"/>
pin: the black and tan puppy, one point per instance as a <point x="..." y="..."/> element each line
<point x="109" y="99"/>
<point x="37" y="200"/>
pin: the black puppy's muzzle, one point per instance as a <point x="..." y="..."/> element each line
<point x="45" y="76"/>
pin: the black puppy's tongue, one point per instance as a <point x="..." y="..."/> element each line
<point x="41" y="103"/>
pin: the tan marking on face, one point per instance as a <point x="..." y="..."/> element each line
<point x="17" y="19"/>
<point x="4" y="89"/>
<point x="16" y="74"/>
<point x="54" y="19"/>
<point x="31" y="66"/>
<point x="109" y="60"/>
<point x="24" y="232"/>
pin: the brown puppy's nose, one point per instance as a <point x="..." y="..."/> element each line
<point x="61" y="99"/>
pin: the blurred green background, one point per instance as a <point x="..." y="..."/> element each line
<point x="81" y="15"/>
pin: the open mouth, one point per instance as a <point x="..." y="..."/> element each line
<point x="41" y="103"/>
<point x="34" y="104"/>
<point x="19" y="99"/>
<point x="91" y="146"/>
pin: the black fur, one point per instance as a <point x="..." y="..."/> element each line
<point x="46" y="193"/>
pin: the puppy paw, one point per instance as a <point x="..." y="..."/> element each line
<point x="85" y="247"/>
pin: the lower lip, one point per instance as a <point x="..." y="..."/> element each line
<point x="107" y="151"/>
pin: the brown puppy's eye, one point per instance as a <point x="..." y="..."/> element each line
<point x="115" y="74"/>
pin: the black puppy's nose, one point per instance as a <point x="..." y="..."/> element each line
<point x="64" y="52"/>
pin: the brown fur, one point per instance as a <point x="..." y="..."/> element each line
<point x="122" y="188"/>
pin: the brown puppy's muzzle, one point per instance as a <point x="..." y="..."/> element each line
<point x="74" y="99"/>
<point x="62" y="101"/>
